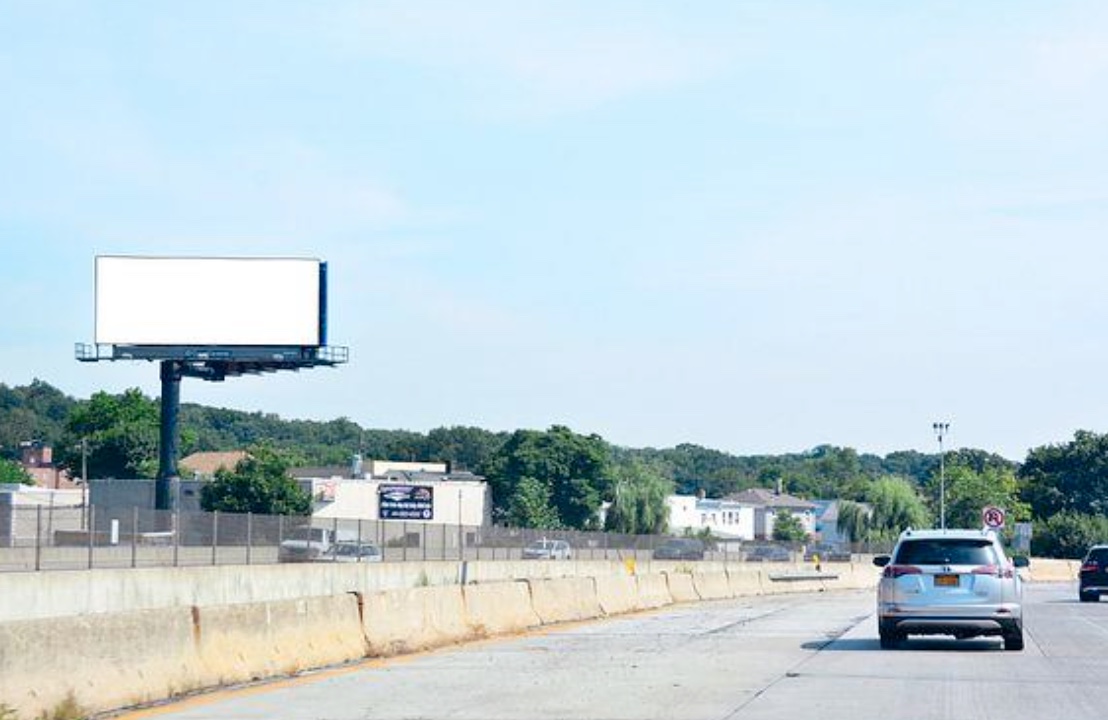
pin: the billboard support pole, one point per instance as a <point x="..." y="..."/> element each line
<point x="164" y="488"/>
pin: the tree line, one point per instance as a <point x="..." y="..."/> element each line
<point x="557" y="478"/>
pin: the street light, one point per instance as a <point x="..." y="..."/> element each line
<point x="941" y="429"/>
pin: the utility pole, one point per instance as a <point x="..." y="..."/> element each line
<point x="941" y="429"/>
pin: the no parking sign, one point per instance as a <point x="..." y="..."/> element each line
<point x="993" y="517"/>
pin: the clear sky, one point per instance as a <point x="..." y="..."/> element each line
<point x="754" y="226"/>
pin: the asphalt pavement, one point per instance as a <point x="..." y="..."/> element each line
<point x="783" y="657"/>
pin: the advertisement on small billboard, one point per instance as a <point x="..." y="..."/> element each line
<point x="405" y="502"/>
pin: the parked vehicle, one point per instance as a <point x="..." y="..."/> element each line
<point x="950" y="582"/>
<point x="305" y="544"/>
<point x="680" y="549"/>
<point x="1093" y="576"/>
<point x="352" y="552"/>
<point x="827" y="553"/>
<point x="545" y="549"/>
<point x="768" y="553"/>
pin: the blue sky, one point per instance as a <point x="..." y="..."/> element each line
<point x="758" y="227"/>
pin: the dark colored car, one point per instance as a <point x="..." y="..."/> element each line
<point x="1093" y="575"/>
<point x="827" y="553"/>
<point x="680" y="549"/>
<point x="769" y="553"/>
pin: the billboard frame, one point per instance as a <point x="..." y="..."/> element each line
<point x="213" y="363"/>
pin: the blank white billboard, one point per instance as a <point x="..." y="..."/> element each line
<point x="207" y="301"/>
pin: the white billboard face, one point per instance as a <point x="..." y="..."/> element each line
<point x="207" y="301"/>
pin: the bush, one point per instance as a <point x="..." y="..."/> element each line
<point x="1068" y="535"/>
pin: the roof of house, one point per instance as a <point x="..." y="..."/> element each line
<point x="321" y="471"/>
<point x="206" y="463"/>
<point x="764" y="497"/>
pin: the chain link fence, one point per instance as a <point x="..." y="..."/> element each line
<point x="68" y="538"/>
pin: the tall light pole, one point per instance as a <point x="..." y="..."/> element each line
<point x="941" y="429"/>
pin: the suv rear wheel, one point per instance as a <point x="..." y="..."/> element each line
<point x="1089" y="596"/>
<point x="889" y="637"/>
<point x="1014" y="640"/>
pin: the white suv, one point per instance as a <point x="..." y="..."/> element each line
<point x="949" y="582"/>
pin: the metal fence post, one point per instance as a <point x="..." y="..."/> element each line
<point x="91" y="532"/>
<point x="134" y="536"/>
<point x="176" y="518"/>
<point x="215" y="535"/>
<point x="249" y="535"/>
<point x="38" y="539"/>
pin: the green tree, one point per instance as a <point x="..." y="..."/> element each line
<point x="854" y="521"/>
<point x="13" y="472"/>
<point x="575" y="469"/>
<point x="971" y="487"/>
<point x="260" y="483"/>
<point x="639" y="502"/>
<point x="1068" y="535"/>
<point x="122" y="435"/>
<point x="788" y="528"/>
<point x="530" y="506"/>
<point x="1067" y="478"/>
<point x="896" y="507"/>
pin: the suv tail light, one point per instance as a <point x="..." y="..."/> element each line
<point x="895" y="571"/>
<point x="994" y="570"/>
<point x="1090" y="567"/>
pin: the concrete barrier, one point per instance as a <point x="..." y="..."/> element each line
<point x="1048" y="570"/>
<point x="618" y="594"/>
<point x="744" y="581"/>
<point x="401" y="621"/>
<point x="237" y="643"/>
<point x="99" y="663"/>
<point x="653" y="591"/>
<point x="499" y="608"/>
<point x="564" y="599"/>
<point x="108" y="658"/>
<point x="711" y="585"/>
<point x="681" y="587"/>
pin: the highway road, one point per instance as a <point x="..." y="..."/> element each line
<point x="785" y="657"/>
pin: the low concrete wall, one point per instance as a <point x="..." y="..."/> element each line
<point x="565" y="599"/>
<point x="499" y="608"/>
<point x="712" y="585"/>
<point x="680" y="586"/>
<point x="1044" y="570"/>
<point x="403" y="621"/>
<point x="618" y="594"/>
<point x="107" y="660"/>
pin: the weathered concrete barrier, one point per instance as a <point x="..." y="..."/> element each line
<point x="499" y="608"/>
<point x="681" y="587"/>
<point x="402" y="621"/>
<point x="711" y="585"/>
<point x="99" y="663"/>
<point x="1044" y="570"/>
<point x="618" y="594"/>
<point x="744" y="581"/>
<point x="653" y="591"/>
<point x="236" y="643"/>
<point x="564" y="599"/>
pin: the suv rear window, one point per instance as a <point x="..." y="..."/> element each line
<point x="1099" y="555"/>
<point x="946" y="552"/>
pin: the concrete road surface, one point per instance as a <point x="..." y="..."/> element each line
<point x="784" y="658"/>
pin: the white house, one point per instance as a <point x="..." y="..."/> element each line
<point x="725" y="519"/>
<point x="768" y="503"/>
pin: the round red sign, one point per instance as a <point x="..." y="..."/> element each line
<point x="993" y="517"/>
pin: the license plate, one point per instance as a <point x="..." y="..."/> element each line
<point x="946" y="581"/>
